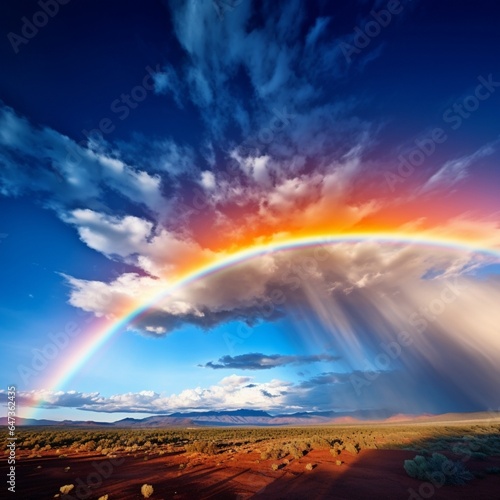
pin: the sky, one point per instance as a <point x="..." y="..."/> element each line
<point x="221" y="204"/>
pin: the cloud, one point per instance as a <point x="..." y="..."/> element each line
<point x="356" y="298"/>
<point x="41" y="160"/>
<point x="136" y="241"/>
<point x="232" y="392"/>
<point x="167" y="81"/>
<point x="395" y="389"/>
<point x="453" y="171"/>
<point x="258" y="361"/>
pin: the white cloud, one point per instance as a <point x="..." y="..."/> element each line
<point x="66" y="172"/>
<point x="208" y="180"/>
<point x="357" y="298"/>
<point x="232" y="392"/>
<point x="136" y="241"/>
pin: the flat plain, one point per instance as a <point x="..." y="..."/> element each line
<point x="336" y="461"/>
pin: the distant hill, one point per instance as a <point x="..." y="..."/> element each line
<point x="246" y="417"/>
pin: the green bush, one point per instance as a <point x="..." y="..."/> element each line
<point x="437" y="469"/>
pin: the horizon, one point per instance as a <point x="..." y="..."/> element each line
<point x="237" y="205"/>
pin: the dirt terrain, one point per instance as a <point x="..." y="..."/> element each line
<point x="240" y="474"/>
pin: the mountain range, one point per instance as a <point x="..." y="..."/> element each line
<point x="247" y="417"/>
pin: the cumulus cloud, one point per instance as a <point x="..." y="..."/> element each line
<point x="232" y="392"/>
<point x="395" y="390"/>
<point x="258" y="361"/>
<point x="137" y="241"/>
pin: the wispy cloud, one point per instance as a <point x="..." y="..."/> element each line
<point x="453" y="171"/>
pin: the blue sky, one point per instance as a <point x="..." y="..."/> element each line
<point x="140" y="141"/>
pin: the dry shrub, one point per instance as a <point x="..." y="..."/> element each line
<point x="66" y="488"/>
<point x="206" y="447"/>
<point x="146" y="490"/>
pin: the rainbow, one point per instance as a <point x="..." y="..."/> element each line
<point x="73" y="363"/>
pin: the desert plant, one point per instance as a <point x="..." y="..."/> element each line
<point x="66" y="488"/>
<point x="103" y="497"/>
<point x="295" y="451"/>
<point x="275" y="466"/>
<point x="209" y="448"/>
<point x="437" y="468"/>
<point x="310" y="466"/>
<point x="146" y="490"/>
<point x="351" y="448"/>
<point x="318" y="442"/>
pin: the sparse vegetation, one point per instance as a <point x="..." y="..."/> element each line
<point x="277" y="443"/>
<point x="437" y="468"/>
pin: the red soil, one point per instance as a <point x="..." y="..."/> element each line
<point x="373" y="474"/>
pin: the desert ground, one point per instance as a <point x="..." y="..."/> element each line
<point x="341" y="462"/>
